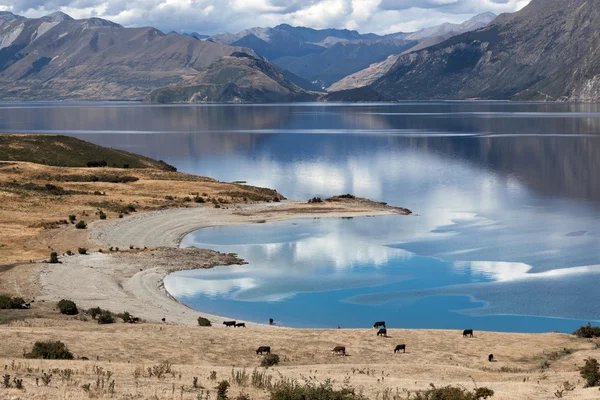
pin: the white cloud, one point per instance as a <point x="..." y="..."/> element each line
<point x="214" y="16"/>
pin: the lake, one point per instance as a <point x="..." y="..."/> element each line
<point x="507" y="197"/>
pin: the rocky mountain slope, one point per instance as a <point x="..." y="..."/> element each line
<point x="547" y="51"/>
<point x="56" y="57"/>
<point x="424" y="38"/>
<point x="238" y="78"/>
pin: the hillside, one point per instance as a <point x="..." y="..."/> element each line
<point x="56" y="57"/>
<point x="547" y="51"/>
<point x="239" y="78"/>
<point x="65" y="151"/>
<point x="424" y="38"/>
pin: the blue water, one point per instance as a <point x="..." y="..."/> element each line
<point x="507" y="195"/>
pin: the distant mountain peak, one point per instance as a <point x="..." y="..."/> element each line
<point x="57" y="16"/>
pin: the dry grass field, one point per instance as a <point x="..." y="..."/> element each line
<point x="527" y="366"/>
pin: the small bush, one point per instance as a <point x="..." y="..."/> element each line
<point x="126" y="317"/>
<point x="590" y="372"/>
<point x="50" y="350"/>
<point x="97" y="164"/>
<point x="67" y="307"/>
<point x="106" y="317"/>
<point x="72" y="219"/>
<point x="81" y="225"/>
<point x="187" y="199"/>
<point x="54" y="258"/>
<point x="315" y="200"/>
<point x="269" y="360"/>
<point x="290" y="390"/>
<point x="203" y="322"/>
<point x="69" y="253"/>
<point x="453" y="393"/>
<point x="101" y="215"/>
<point x="588" y="331"/>
<point x="169" y="197"/>
<point x="199" y="199"/>
<point x="82" y="250"/>
<point x="276" y="200"/>
<point x="94" y="312"/>
<point x="11" y="303"/>
<point x="222" y="390"/>
<point x="347" y="196"/>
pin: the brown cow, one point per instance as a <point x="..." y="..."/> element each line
<point x="339" y="350"/>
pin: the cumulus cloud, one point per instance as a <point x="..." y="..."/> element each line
<point x="217" y="16"/>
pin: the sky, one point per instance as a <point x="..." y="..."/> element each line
<point x="220" y="16"/>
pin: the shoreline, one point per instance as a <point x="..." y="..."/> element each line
<point x="135" y="279"/>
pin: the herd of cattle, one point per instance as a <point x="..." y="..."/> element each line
<point x="341" y="350"/>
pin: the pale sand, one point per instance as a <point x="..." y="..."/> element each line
<point x="133" y="281"/>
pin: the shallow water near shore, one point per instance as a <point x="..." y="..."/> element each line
<point x="507" y="235"/>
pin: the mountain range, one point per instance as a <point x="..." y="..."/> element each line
<point x="547" y="51"/>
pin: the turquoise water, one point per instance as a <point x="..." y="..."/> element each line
<point x="507" y="195"/>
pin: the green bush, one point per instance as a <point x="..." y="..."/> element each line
<point x="81" y="225"/>
<point x="50" y="350"/>
<point x="453" y="393"/>
<point x="126" y="317"/>
<point x="82" y="250"/>
<point x="315" y="200"/>
<point x="203" y="322"/>
<point x="72" y="219"/>
<point x="106" y="317"/>
<point x="69" y="253"/>
<point x="588" y="331"/>
<point x="101" y="214"/>
<point x="590" y="372"/>
<point x="222" y="390"/>
<point x="67" y="307"/>
<point x="269" y="360"/>
<point x="199" y="199"/>
<point x="290" y="390"/>
<point x="94" y="312"/>
<point x="54" y="258"/>
<point x="11" y="303"/>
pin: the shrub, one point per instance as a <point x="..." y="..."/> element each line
<point x="53" y="258"/>
<point x="94" y="312"/>
<point x="290" y="390"/>
<point x="199" y="199"/>
<point x="590" y="372"/>
<point x="106" y="317"/>
<point x="97" y="164"/>
<point x="50" y="350"/>
<point x="315" y="200"/>
<point x="453" y="393"/>
<point x="588" y="331"/>
<point x="11" y="303"/>
<point x="82" y="250"/>
<point x="126" y="317"/>
<point x="169" y="197"/>
<point x="81" y="225"/>
<point x="222" y="390"/>
<point x="203" y="322"/>
<point x="69" y="253"/>
<point x="72" y="219"/>
<point x="276" y="200"/>
<point x="67" y="307"/>
<point x="102" y="215"/>
<point x="347" y="196"/>
<point x="129" y="208"/>
<point x="187" y="199"/>
<point x="269" y="360"/>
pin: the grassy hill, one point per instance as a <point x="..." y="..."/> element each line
<point x="65" y="151"/>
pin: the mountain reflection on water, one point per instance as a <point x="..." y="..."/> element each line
<point x="507" y="196"/>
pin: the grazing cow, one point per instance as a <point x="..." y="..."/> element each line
<point x="229" y="323"/>
<point x="379" y="324"/>
<point x="263" y="349"/>
<point x="491" y="358"/>
<point x="382" y="332"/>
<point x="400" y="347"/>
<point x="339" y="350"/>
<point x="468" y="332"/>
<point x="240" y="325"/>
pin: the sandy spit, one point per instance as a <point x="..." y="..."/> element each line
<point x="132" y="280"/>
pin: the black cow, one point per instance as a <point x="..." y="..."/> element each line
<point x="240" y="325"/>
<point x="400" y="347"/>
<point x="164" y="320"/>
<point x="382" y="332"/>
<point x="491" y="358"/>
<point x="468" y="332"/>
<point x="229" y="323"/>
<point x="339" y="350"/>
<point x="379" y="324"/>
<point x="263" y="349"/>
